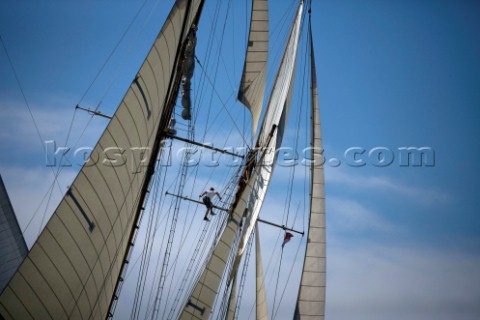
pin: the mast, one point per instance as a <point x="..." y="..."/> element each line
<point x="250" y="198"/>
<point x="232" y="302"/>
<point x="261" y="307"/>
<point x="261" y="295"/>
<point x="72" y="269"/>
<point x="311" y="297"/>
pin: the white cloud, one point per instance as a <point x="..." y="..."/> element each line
<point x="379" y="282"/>
<point x="350" y="215"/>
<point x="53" y="118"/>
<point x="426" y="195"/>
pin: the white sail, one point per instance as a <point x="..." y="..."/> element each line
<point x="72" y="269"/>
<point x="13" y="248"/>
<point x="252" y="85"/>
<point x="272" y="130"/>
<point x="261" y="295"/>
<point x="200" y="302"/>
<point x="311" y="298"/>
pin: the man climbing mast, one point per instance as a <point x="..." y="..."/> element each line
<point x="207" y="200"/>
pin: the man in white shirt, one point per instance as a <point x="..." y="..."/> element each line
<point x="207" y="200"/>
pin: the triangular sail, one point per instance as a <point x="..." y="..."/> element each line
<point x="13" y="247"/>
<point x="252" y="85"/>
<point x="199" y="304"/>
<point x="311" y="298"/>
<point x="72" y="269"/>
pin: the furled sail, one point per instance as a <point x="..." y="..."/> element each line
<point x="252" y="85"/>
<point x="311" y="298"/>
<point x="72" y="269"/>
<point x="200" y="302"/>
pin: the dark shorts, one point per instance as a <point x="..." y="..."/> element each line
<point x="207" y="202"/>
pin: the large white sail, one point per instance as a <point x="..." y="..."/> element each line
<point x="272" y="130"/>
<point x="311" y="298"/>
<point x="72" y="269"/>
<point x="200" y="302"/>
<point x="252" y="85"/>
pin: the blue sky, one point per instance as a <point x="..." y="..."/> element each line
<point x="403" y="242"/>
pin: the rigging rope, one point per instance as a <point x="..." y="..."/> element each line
<point x="276" y="284"/>
<point x="181" y="185"/>
<point x="275" y="312"/>
<point x="269" y="266"/>
<point x="151" y="232"/>
<point x="209" y="50"/>
<point x="222" y="103"/>
<point x="188" y="270"/>
<point x="113" y="51"/>
<point x="243" y="278"/>
<point x="221" y="223"/>
<point x="17" y="79"/>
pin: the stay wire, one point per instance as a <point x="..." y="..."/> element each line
<point x="173" y="268"/>
<point x="276" y="283"/>
<point x="269" y="265"/>
<point x="202" y="83"/>
<point x="113" y="50"/>
<point x="217" y="64"/>
<point x="243" y="278"/>
<point x="17" y="79"/>
<point x="275" y="312"/>
<point x="222" y="103"/>
<point x="145" y="256"/>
